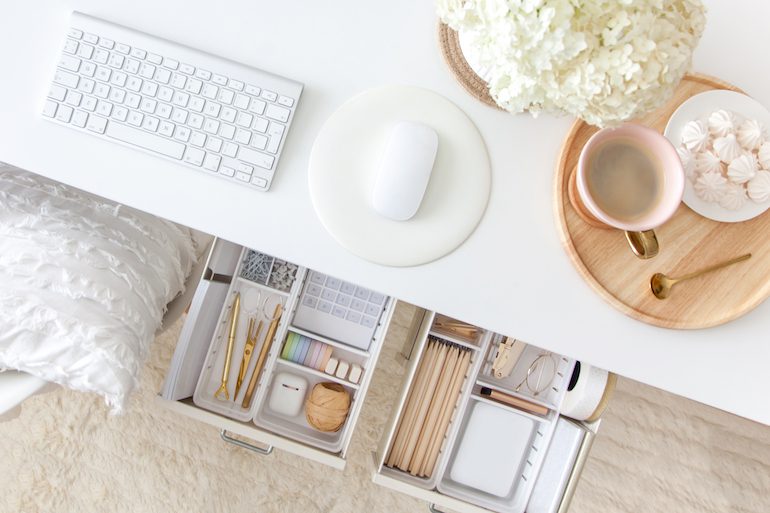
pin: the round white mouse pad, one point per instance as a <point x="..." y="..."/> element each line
<point x="344" y="162"/>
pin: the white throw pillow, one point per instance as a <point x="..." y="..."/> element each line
<point x="84" y="283"/>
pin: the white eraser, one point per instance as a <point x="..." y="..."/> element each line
<point x="342" y="369"/>
<point x="331" y="366"/>
<point x="355" y="373"/>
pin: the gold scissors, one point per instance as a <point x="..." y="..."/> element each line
<point x="251" y="341"/>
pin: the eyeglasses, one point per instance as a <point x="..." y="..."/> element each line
<point x="540" y="374"/>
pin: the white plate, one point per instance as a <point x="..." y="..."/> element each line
<point x="700" y="107"/>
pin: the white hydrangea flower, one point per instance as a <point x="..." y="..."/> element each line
<point x="605" y="61"/>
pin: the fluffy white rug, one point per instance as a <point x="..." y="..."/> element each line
<point x="655" y="452"/>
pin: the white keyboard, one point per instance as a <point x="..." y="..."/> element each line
<point x="199" y="110"/>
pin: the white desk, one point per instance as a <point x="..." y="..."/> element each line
<point x="511" y="275"/>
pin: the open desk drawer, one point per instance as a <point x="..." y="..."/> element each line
<point x="307" y="339"/>
<point x="452" y="443"/>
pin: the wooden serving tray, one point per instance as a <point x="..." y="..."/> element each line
<point x="688" y="242"/>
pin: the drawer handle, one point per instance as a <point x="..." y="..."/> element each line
<point x="259" y="450"/>
<point x="433" y="509"/>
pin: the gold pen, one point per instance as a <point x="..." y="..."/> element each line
<point x="262" y="355"/>
<point x="230" y="341"/>
<point x="248" y="349"/>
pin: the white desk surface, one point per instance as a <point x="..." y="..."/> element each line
<point x="511" y="275"/>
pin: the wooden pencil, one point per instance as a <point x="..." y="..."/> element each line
<point x="434" y="410"/>
<point x="423" y="405"/>
<point x="437" y="437"/>
<point x="396" y="445"/>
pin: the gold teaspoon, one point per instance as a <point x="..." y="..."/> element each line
<point x="661" y="284"/>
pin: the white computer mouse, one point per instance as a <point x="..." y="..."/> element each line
<point x="404" y="170"/>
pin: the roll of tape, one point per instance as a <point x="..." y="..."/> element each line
<point x="584" y="398"/>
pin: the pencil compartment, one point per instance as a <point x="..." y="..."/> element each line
<point x="440" y="388"/>
<point x="258" y="305"/>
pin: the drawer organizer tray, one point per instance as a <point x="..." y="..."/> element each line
<point x="491" y="453"/>
<point x="266" y="287"/>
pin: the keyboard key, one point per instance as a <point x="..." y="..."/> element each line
<point x="259" y="181"/>
<point x="212" y="109"/>
<point x="154" y="58"/>
<point x="369" y="322"/>
<point x="149" y="88"/>
<point x="138" y="53"/>
<point x="162" y="75"/>
<point x="309" y="301"/>
<point x="377" y="298"/>
<point x="178" y="80"/>
<point x="286" y="101"/>
<point x="166" y="128"/>
<point x="227" y="171"/>
<point x="187" y="69"/>
<point x="145" y="140"/>
<point x="194" y="156"/>
<point x="343" y="299"/>
<point x="88" y="69"/>
<point x="96" y="124"/>
<point x="179" y="116"/>
<point x="259" y="141"/>
<point x="219" y="80"/>
<point x="228" y="114"/>
<point x="122" y="48"/>
<point x="353" y="317"/>
<point x="196" y="104"/>
<point x="203" y="74"/>
<point x="135" y="118"/>
<point x="338" y="311"/>
<point x="212" y="162"/>
<point x="132" y="66"/>
<point x="226" y="96"/>
<point x="150" y="123"/>
<point x="257" y="106"/>
<point x="66" y="79"/>
<point x="211" y="126"/>
<point x="182" y="133"/>
<point x="49" y="109"/>
<point x="69" y="62"/>
<point x="116" y="61"/>
<point x="109" y="44"/>
<point x="165" y="94"/>
<point x="195" y="120"/>
<point x="252" y="90"/>
<point x="244" y="119"/>
<point x="277" y="113"/>
<point x="57" y="92"/>
<point x="104" y="108"/>
<point x="235" y="84"/>
<point x="103" y="73"/>
<point x="147" y="70"/>
<point x="324" y="306"/>
<point x="85" y="51"/>
<point x="102" y="90"/>
<point x="171" y="64"/>
<point x="230" y="149"/>
<point x="241" y="101"/>
<point x="132" y="100"/>
<point x="148" y="105"/>
<point x="90" y="38"/>
<point x="333" y="283"/>
<point x="164" y="110"/>
<point x="316" y="277"/>
<point x="119" y="79"/>
<point x="198" y="139"/>
<point x="362" y="293"/>
<point x="214" y="144"/>
<point x="371" y="310"/>
<point x="242" y="136"/>
<point x="120" y="113"/>
<point x="79" y="118"/>
<point x="75" y="33"/>
<point x="269" y="95"/>
<point x="314" y="289"/>
<point x="256" y="158"/>
<point x="193" y="86"/>
<point x="243" y="168"/>
<point x="347" y="288"/>
<point x="100" y="56"/>
<point x="260" y="125"/>
<point x="180" y="99"/>
<point x="244" y="177"/>
<point x="88" y="103"/>
<point x="227" y="131"/>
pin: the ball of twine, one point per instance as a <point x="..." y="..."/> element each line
<point x="327" y="406"/>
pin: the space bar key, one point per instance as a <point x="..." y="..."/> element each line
<point x="145" y="140"/>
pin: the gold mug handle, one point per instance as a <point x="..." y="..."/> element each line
<point x="643" y="244"/>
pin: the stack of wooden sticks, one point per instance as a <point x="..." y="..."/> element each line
<point x="429" y="407"/>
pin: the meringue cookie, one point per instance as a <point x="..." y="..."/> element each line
<point x="734" y="197"/>
<point x="695" y="136"/>
<point x="721" y="123"/>
<point x="759" y="187"/>
<point x="764" y="155"/>
<point x="751" y="134"/>
<point x="742" y="169"/>
<point x="710" y="187"/>
<point x="707" y="162"/>
<point x="727" y="148"/>
<point x="688" y="163"/>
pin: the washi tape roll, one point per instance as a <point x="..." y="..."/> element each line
<point x="288" y="346"/>
<point x="317" y="352"/>
<point x="304" y="346"/>
<point x="588" y="393"/>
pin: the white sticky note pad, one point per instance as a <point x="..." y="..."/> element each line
<point x="494" y="444"/>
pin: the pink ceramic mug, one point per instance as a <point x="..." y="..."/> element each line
<point x="639" y="232"/>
